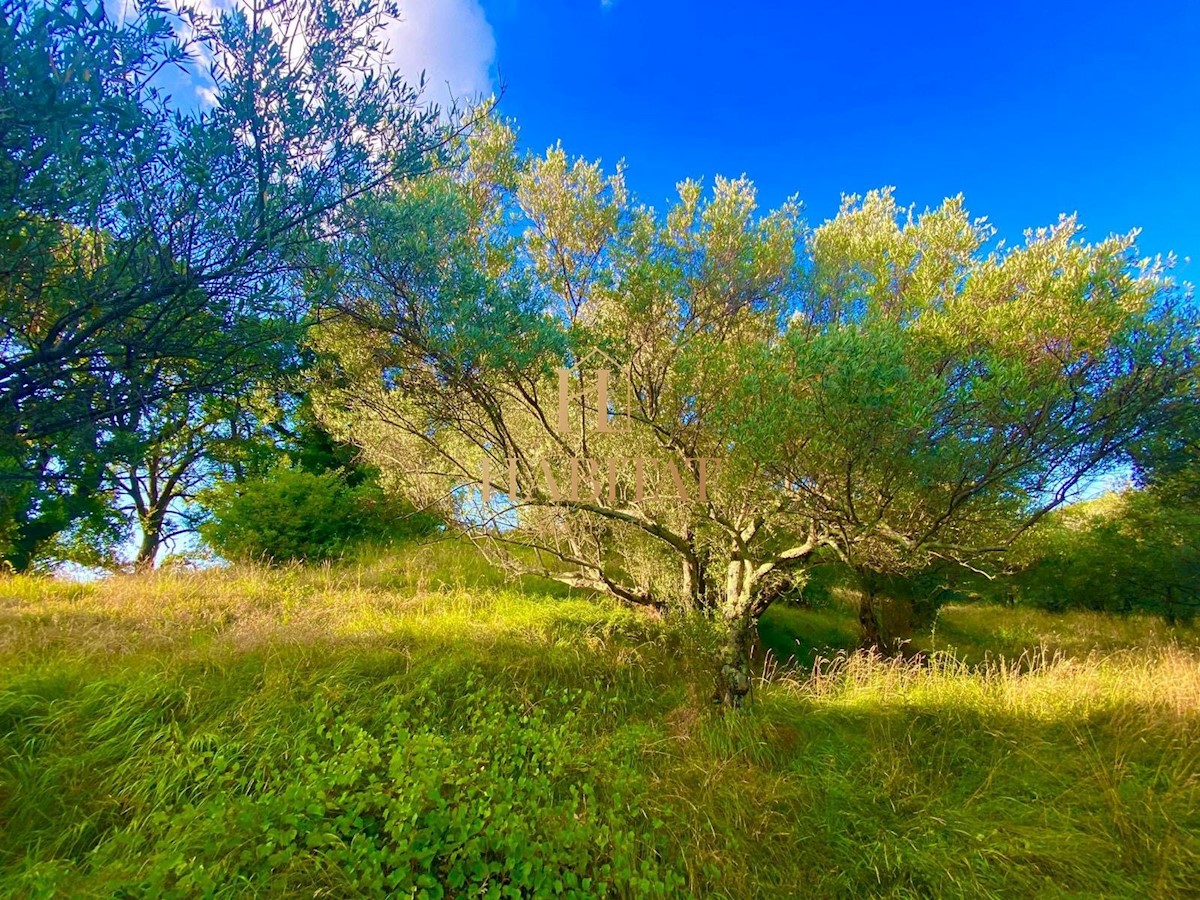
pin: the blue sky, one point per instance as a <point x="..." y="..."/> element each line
<point x="1027" y="108"/>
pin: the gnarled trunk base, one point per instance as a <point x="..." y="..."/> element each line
<point x="871" y="635"/>
<point x="733" y="676"/>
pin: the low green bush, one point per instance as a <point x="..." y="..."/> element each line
<point x="290" y="514"/>
<point x="1137" y="551"/>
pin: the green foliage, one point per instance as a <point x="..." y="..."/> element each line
<point x="291" y="514"/>
<point x="816" y="589"/>
<point x="315" y="450"/>
<point x="476" y="795"/>
<point x="932" y="396"/>
<point x="150" y="277"/>
<point x="1138" y="551"/>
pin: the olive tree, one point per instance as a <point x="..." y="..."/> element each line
<point x="935" y="399"/>
<point x="684" y="408"/>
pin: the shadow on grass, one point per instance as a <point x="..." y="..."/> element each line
<point x="796" y="636"/>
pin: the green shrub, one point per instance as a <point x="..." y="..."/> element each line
<point x="1135" y="551"/>
<point x="291" y="514"/>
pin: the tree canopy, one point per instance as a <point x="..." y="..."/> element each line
<point x="149" y="246"/>
<point x="889" y="388"/>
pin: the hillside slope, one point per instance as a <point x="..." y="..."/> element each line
<point x="373" y="730"/>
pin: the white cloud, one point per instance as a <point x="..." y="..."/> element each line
<point x="208" y="96"/>
<point x="451" y="41"/>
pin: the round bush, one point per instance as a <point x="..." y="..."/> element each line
<point x="290" y="514"/>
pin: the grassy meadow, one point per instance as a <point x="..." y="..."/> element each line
<point x="412" y="726"/>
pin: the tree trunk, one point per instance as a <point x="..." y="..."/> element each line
<point x="737" y="614"/>
<point x="871" y="636"/>
<point x="733" y="680"/>
<point x="693" y="585"/>
<point x="697" y="587"/>
<point x="151" y="541"/>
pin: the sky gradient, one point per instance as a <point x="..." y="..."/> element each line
<point x="1029" y="109"/>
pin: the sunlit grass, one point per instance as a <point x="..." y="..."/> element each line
<point x="418" y="724"/>
<point x="979" y="631"/>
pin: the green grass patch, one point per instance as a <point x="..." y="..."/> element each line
<point x="377" y="730"/>
<point x="798" y="636"/>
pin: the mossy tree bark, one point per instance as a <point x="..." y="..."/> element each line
<point x="733" y="679"/>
